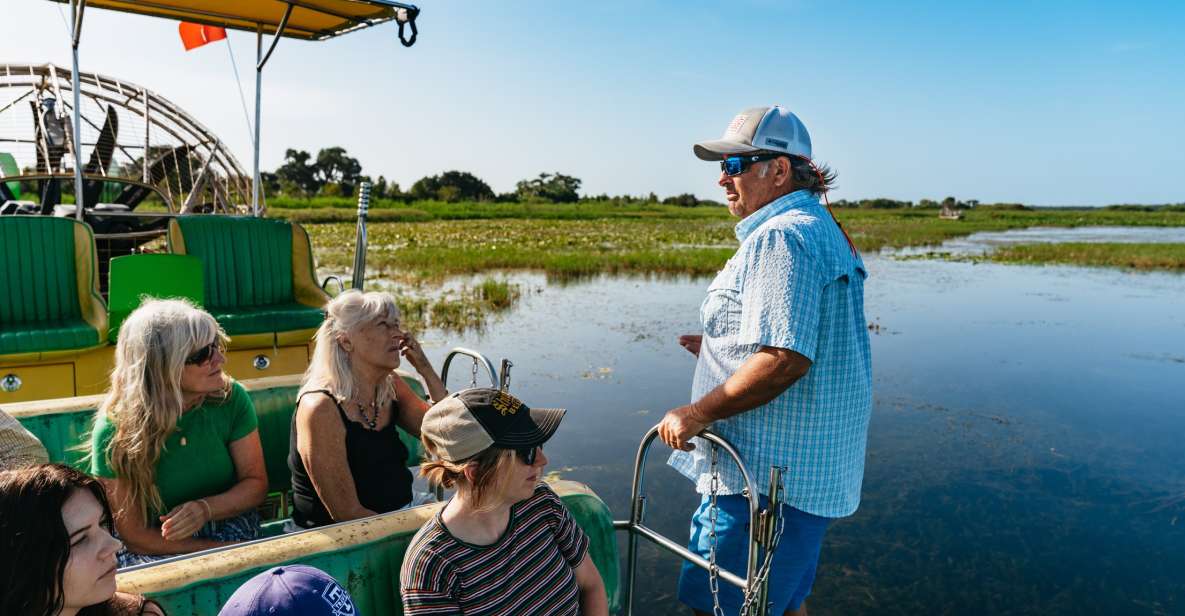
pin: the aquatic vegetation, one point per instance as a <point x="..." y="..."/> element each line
<point x="589" y="239"/>
<point x="453" y="309"/>
<point x="1138" y="256"/>
<point x="1169" y="257"/>
<point x="876" y="229"/>
<point x="411" y="252"/>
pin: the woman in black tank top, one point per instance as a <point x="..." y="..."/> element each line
<point x="345" y="455"/>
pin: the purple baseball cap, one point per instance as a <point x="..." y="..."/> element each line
<point x="293" y="590"/>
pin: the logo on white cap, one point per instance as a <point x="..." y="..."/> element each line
<point x="736" y="124"/>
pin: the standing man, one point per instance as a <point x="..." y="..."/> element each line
<point x="784" y="370"/>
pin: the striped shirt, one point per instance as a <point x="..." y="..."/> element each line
<point x="794" y="284"/>
<point x="529" y="570"/>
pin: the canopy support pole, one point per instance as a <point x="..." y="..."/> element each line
<point x="260" y="60"/>
<point x="76" y="11"/>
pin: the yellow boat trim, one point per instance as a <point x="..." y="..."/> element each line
<point x="82" y="403"/>
<point x="167" y="576"/>
<point x="310" y="19"/>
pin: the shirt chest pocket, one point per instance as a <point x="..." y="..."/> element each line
<point x="720" y="313"/>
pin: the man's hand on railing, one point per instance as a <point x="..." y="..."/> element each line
<point x="678" y="426"/>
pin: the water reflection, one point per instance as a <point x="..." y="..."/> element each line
<point x="1024" y="450"/>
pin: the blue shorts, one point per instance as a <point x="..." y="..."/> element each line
<point x="793" y="570"/>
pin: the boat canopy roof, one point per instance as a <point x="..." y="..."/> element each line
<point x="310" y="19"/>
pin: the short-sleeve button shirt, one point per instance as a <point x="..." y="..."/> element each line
<point x="794" y="283"/>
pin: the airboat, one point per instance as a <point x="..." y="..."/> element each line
<point x="109" y="192"/>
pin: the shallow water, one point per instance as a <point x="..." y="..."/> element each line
<point x="977" y="244"/>
<point x="1023" y="454"/>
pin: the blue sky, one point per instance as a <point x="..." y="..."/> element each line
<point x="1043" y="102"/>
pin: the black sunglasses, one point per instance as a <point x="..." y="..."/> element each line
<point x="202" y="355"/>
<point x="733" y="166"/>
<point x="528" y="454"/>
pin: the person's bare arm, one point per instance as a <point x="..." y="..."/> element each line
<point x="593" y="599"/>
<point x="763" y="377"/>
<point x="125" y="604"/>
<point x="411" y="350"/>
<point x="321" y="442"/>
<point x="411" y="408"/>
<point x="246" y="494"/>
<point x="135" y="533"/>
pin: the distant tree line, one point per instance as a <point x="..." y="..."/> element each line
<point x="334" y="173"/>
<point x="928" y="204"/>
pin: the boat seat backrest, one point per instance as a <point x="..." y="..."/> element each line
<point x="259" y="280"/>
<point x="49" y="282"/>
<point x="247" y="261"/>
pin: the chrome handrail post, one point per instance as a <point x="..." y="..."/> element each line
<point x="637" y="511"/>
<point x="635" y="527"/>
<point x="485" y="361"/>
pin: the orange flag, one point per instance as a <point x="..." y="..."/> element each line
<point x="196" y="35"/>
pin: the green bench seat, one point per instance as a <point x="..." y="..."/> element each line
<point x="272" y="317"/>
<point x="49" y="282"/>
<point x="258" y="274"/>
<point x="55" y="335"/>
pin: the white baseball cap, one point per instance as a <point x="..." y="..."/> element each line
<point x="773" y="129"/>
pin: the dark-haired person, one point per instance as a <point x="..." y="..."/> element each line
<point x="176" y="441"/>
<point x="504" y="543"/>
<point x="57" y="555"/>
<point x="784" y="368"/>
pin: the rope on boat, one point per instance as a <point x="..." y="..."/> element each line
<point x="407" y="17"/>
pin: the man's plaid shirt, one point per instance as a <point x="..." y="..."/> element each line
<point x="795" y="284"/>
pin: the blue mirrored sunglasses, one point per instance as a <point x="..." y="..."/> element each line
<point x="736" y="165"/>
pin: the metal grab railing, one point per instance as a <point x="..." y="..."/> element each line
<point x="478" y="358"/>
<point x="341" y="286"/>
<point x="759" y="525"/>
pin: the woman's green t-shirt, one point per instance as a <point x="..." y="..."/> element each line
<point x="200" y="468"/>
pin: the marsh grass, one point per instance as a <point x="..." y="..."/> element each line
<point x="1167" y="257"/>
<point x="433" y="249"/>
<point x="876" y="229"/>
<point x="415" y="252"/>
<point x="455" y="310"/>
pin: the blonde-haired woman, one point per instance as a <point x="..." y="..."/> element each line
<point x="175" y="442"/>
<point x="505" y="543"/>
<point x="345" y="455"/>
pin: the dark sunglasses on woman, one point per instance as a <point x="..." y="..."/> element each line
<point x="202" y="355"/>
<point x="528" y="454"/>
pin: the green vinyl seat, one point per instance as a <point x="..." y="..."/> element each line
<point x="258" y="273"/>
<point x="50" y="284"/>
<point x="281" y="317"/>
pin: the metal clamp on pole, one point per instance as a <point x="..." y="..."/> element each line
<point x="756" y="580"/>
<point x="504" y="381"/>
<point x="407" y="16"/>
<point x="478" y="358"/>
<point x="360" y="236"/>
